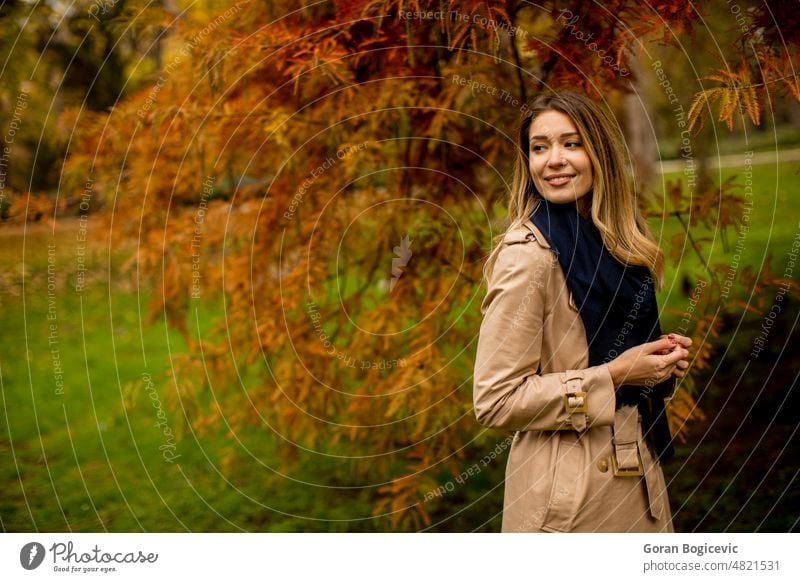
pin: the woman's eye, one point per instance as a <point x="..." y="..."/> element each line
<point x="573" y="144"/>
<point x="537" y="148"/>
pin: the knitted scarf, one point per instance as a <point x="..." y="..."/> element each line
<point x="617" y="304"/>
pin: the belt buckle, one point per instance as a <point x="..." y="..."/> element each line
<point x="627" y="471"/>
<point x="575" y="402"/>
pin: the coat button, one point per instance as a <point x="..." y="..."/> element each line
<point x="602" y="465"/>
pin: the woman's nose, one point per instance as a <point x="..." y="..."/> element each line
<point x="556" y="157"/>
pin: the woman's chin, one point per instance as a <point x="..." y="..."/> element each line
<point x="562" y="197"/>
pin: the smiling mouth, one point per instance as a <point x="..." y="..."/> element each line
<point x="559" y="179"/>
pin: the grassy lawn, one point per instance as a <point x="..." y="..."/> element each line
<point x="774" y="221"/>
<point x="83" y="452"/>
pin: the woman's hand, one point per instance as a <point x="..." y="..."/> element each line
<point x="651" y="363"/>
<point x="679" y="339"/>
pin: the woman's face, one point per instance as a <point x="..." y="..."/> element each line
<point x="559" y="164"/>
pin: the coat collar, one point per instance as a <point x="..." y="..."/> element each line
<point x="540" y="238"/>
<point x="527" y="231"/>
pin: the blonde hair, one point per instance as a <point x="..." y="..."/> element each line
<point x="615" y="211"/>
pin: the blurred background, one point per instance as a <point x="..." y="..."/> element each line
<point x="241" y="248"/>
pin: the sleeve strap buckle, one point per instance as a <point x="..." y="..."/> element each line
<point x="575" y="399"/>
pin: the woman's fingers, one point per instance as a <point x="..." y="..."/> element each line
<point x="661" y="344"/>
<point x="656" y="361"/>
<point x="681" y="366"/>
<point x="680" y="339"/>
<point x="675" y="356"/>
<point x="667" y="344"/>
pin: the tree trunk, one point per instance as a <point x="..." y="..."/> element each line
<point x="639" y="131"/>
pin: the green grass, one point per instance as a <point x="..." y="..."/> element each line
<point x="773" y="225"/>
<point x="89" y="459"/>
<point x="784" y="137"/>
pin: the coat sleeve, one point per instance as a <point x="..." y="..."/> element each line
<point x="508" y="390"/>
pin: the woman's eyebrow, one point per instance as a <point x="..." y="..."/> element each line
<point x="568" y="134"/>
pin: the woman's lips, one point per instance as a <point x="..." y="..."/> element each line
<point x="559" y="180"/>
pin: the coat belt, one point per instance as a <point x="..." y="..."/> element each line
<point x="626" y="458"/>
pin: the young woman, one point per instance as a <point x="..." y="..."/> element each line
<point x="570" y="357"/>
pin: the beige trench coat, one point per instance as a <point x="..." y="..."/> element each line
<point x="560" y="474"/>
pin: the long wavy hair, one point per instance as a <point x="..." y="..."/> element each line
<point x="615" y="211"/>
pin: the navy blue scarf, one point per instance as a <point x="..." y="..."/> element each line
<point x="617" y="304"/>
